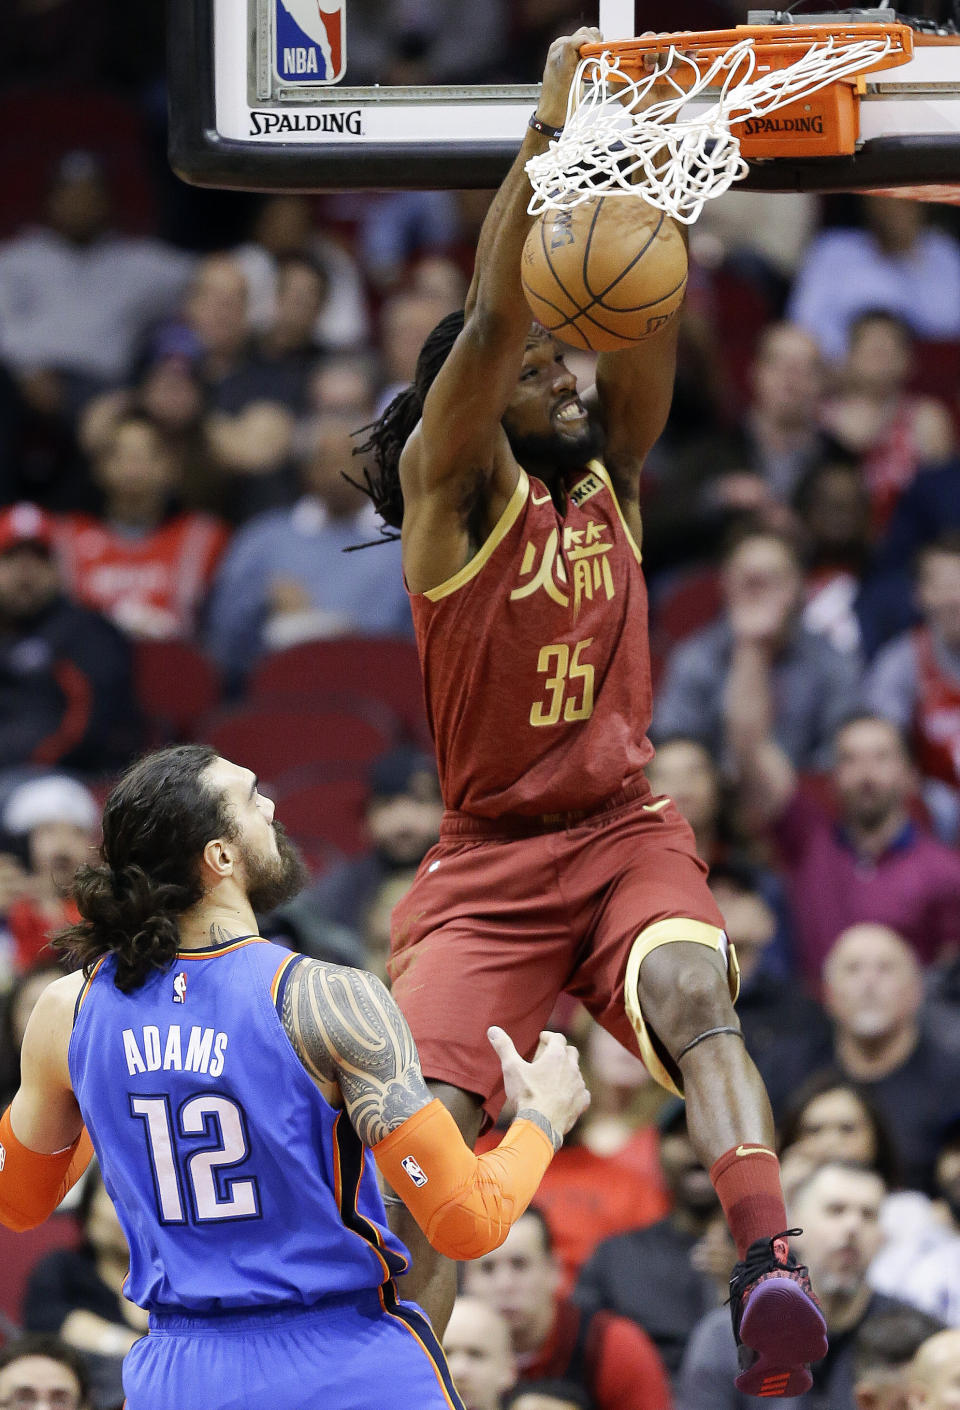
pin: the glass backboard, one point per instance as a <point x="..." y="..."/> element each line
<point x="331" y="94"/>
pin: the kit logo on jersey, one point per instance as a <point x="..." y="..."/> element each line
<point x="3" y="1155"/>
<point x="180" y="988"/>
<point x="311" y="40"/>
<point x="414" y="1171"/>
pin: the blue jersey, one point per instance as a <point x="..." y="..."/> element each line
<point x="236" y="1183"/>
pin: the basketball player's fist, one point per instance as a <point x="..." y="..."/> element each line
<point x="562" y="59"/>
<point x="551" y="1084"/>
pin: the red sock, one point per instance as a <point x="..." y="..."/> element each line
<point x="747" y="1181"/>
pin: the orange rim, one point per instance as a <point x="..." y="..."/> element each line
<point x="775" y="46"/>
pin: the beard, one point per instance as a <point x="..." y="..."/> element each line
<point x="273" y="880"/>
<point x="554" y="451"/>
<point x="869" y="809"/>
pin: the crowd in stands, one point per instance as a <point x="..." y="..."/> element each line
<point x="182" y="375"/>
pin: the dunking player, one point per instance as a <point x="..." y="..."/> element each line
<point x="230" y="1089"/>
<point x="556" y="868"/>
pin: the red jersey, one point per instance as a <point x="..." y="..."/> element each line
<point x="150" y="585"/>
<point x="936" y="713"/>
<point x="536" y="660"/>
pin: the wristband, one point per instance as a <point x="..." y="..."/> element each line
<point x="539" y="125"/>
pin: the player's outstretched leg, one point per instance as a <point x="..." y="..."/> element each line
<point x="432" y="1280"/>
<point x="685" y="1000"/>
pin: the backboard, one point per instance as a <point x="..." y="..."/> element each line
<point x="308" y="95"/>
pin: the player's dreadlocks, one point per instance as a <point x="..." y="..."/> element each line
<point x="389" y="434"/>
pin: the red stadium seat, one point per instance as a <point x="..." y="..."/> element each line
<point x="382" y="668"/>
<point x="20" y="1252"/>
<point x="175" y="685"/>
<point x="273" y="739"/>
<point x="692" y="602"/>
<point x="321" y="811"/>
<point x="40" y="122"/>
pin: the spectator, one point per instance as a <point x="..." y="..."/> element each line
<point x="753" y="469"/>
<point x="77" y="1294"/>
<point x="402" y="823"/>
<point x="76" y="299"/>
<point x="343" y="384"/>
<point x="406" y="320"/>
<point x="376" y="925"/>
<point x="856" y="604"/>
<point x="35" y="1368"/>
<point x="838" y="1207"/>
<point x="18" y="1004"/>
<point x="671" y="1293"/>
<point x="613" y="1359"/>
<point x="249" y="421"/>
<point x="812" y="684"/>
<point x="477" y="1346"/>
<point x="783" y="1027"/>
<point x="400" y="226"/>
<point x="877" y="865"/>
<point x="606" y="1177"/>
<point x="883" y="1349"/>
<point x="875" y="417"/>
<point x="14" y="883"/>
<point x="284" y="228"/>
<point x="288" y="343"/>
<point x="65" y="672"/>
<point x="932" y="1278"/>
<point x="897" y="263"/>
<point x="684" y="769"/>
<point x="54" y="820"/>
<point x="142" y="564"/>
<point x="934" y="1375"/>
<point x="761" y="237"/>
<point x="873" y="992"/>
<point x="547" y="1395"/>
<point x="928" y="508"/>
<point x="915" y="680"/>
<point x="284" y="578"/>
<point x="831" y="1119"/>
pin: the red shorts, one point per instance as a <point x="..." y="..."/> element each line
<point x="499" y="922"/>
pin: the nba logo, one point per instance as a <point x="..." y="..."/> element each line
<point x="311" y="40"/>
<point x="180" y="988"/>
<point x="414" y="1170"/>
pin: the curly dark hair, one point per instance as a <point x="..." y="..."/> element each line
<point x="389" y="434"/>
<point x="53" y="1348"/>
<point x="156" y="823"/>
<point x="886" y="1161"/>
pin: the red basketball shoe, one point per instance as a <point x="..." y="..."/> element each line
<point x="776" y="1320"/>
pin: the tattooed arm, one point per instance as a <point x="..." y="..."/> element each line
<point x="347" y="1029"/>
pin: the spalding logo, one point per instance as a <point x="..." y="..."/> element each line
<point x="414" y="1171"/>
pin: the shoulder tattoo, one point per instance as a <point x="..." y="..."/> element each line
<point x="346" y="1028"/>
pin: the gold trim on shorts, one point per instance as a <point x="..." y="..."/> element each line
<point x="669" y="932"/>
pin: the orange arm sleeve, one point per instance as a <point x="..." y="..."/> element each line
<point x="465" y="1204"/>
<point x="31" y="1184"/>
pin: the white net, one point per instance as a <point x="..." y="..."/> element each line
<point x="617" y="141"/>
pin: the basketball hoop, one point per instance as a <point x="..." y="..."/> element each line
<point x="620" y="137"/>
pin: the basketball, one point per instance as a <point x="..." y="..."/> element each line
<point x="606" y="274"/>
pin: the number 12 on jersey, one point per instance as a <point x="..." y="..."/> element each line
<point x="213" y="1197"/>
<point x="569" y="684"/>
